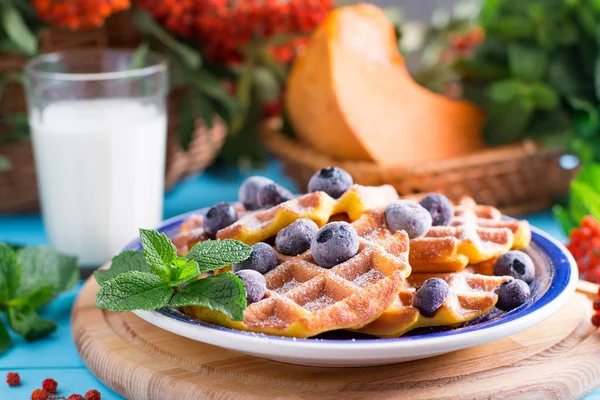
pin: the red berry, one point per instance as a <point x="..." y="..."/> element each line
<point x="596" y="320"/>
<point x="40" y="394"/>
<point x="13" y="379"/>
<point x="50" y="385"/>
<point x="92" y="395"/>
<point x="597" y="304"/>
<point x="75" y="397"/>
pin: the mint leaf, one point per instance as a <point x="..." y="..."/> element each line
<point x="223" y="292"/>
<point x="33" y="300"/>
<point x="43" y="266"/>
<point x="186" y="271"/>
<point x="4" y="337"/>
<point x="159" y="252"/>
<point x="214" y="254"/>
<point x="131" y="260"/>
<point x="29" y="324"/>
<point x="10" y="273"/>
<point x="134" y="290"/>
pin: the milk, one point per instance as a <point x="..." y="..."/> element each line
<point x="100" y="166"/>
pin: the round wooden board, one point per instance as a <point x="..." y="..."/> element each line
<point x="559" y="358"/>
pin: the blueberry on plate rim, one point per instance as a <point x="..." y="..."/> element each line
<point x="512" y="294"/>
<point x="517" y="264"/>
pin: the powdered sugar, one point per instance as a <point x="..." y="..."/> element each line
<point x="368" y="278"/>
<point x="319" y="303"/>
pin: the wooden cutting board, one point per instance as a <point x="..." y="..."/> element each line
<point x="559" y="358"/>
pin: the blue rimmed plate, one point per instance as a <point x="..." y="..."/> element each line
<point x="556" y="273"/>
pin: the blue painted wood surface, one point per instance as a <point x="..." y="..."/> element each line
<point x="56" y="355"/>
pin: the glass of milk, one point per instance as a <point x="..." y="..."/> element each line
<point x="99" y="136"/>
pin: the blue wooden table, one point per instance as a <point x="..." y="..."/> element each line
<point x="56" y="355"/>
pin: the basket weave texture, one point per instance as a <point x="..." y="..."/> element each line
<point x="18" y="187"/>
<point x="517" y="179"/>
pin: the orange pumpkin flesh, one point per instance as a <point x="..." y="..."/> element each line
<point x="350" y="96"/>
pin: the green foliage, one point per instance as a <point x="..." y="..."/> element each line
<point x="157" y="277"/>
<point x="539" y="58"/>
<point x="30" y="277"/>
<point x="584" y="199"/>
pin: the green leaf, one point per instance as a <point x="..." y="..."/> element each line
<point x="583" y="201"/>
<point x="139" y="57"/>
<point x="131" y="260"/>
<point x="564" y="75"/>
<point x="564" y="219"/>
<point x="29" y="324"/>
<point x="512" y="27"/>
<point x="10" y="273"/>
<point x="134" y="290"/>
<point x="544" y="96"/>
<point x="187" y="121"/>
<point x="185" y="271"/>
<point x="4" y="337"/>
<point x="33" y="300"/>
<point x="489" y="11"/>
<point x="148" y="25"/>
<point x="208" y="84"/>
<point x="223" y="292"/>
<point x="5" y="163"/>
<point x="17" y="30"/>
<point x="507" y="122"/>
<point x="506" y="90"/>
<point x="528" y="63"/>
<point x="597" y="77"/>
<point x="159" y="252"/>
<point x="589" y="174"/>
<point x="43" y="266"/>
<point x="214" y="254"/>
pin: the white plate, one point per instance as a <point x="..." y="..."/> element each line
<point x="557" y="278"/>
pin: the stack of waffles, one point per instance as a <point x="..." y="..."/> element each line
<point x="373" y="291"/>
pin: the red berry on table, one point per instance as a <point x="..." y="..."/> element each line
<point x="13" y="379"/>
<point x="75" y="397"/>
<point x="40" y="394"/>
<point x="92" y="395"/>
<point x="584" y="244"/>
<point x="596" y="320"/>
<point x="50" y="385"/>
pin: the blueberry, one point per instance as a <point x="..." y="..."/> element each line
<point x="332" y="180"/>
<point x="219" y="216"/>
<point x="334" y="243"/>
<point x="262" y="259"/>
<point x="512" y="294"/>
<point x="430" y="296"/>
<point x="249" y="190"/>
<point x="406" y="215"/>
<point x="516" y="264"/>
<point x="272" y="194"/>
<point x="440" y="208"/>
<point x="255" y="284"/>
<point x="296" y="237"/>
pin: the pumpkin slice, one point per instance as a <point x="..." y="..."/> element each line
<point x="350" y="96"/>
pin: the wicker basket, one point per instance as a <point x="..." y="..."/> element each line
<point x="18" y="188"/>
<point x="517" y="179"/>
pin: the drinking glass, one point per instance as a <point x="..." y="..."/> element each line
<point x="98" y="125"/>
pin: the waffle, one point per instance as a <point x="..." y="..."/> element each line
<point x="477" y="234"/>
<point x="261" y="225"/>
<point x="471" y="295"/>
<point x="304" y="299"/>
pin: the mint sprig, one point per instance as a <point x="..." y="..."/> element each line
<point x="31" y="277"/>
<point x="156" y="277"/>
